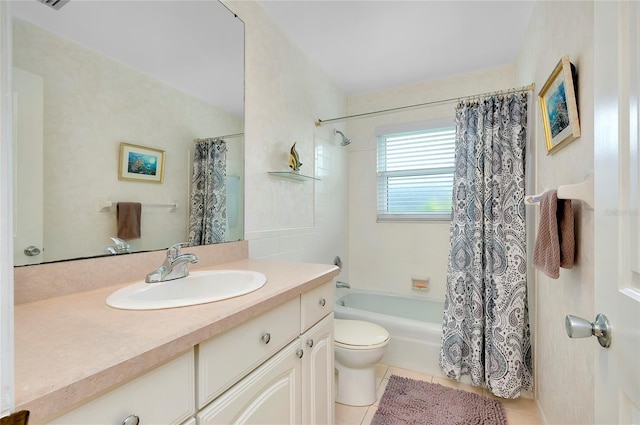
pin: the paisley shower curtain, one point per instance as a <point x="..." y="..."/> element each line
<point x="208" y="217"/>
<point x="486" y="326"/>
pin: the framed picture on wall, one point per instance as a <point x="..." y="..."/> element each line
<point x="140" y="163"/>
<point x="559" y="107"/>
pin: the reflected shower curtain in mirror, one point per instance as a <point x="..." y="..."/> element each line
<point x="486" y="326"/>
<point x="208" y="217"/>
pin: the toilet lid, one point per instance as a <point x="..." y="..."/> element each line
<point x="359" y="333"/>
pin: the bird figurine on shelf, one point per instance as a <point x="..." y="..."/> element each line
<point x="294" y="158"/>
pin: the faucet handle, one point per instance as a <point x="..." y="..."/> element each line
<point x="120" y="247"/>
<point x="174" y="250"/>
<point x="119" y="242"/>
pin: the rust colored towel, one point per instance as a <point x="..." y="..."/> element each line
<point x="555" y="244"/>
<point x="128" y="217"/>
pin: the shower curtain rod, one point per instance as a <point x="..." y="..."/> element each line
<point x="228" y="136"/>
<point x="421" y="105"/>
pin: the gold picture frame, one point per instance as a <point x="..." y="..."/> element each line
<point x="559" y="107"/>
<point x="140" y="163"/>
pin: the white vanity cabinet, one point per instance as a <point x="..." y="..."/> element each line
<point x="293" y="386"/>
<point x="162" y="396"/>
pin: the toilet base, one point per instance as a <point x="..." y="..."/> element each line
<point x="356" y="387"/>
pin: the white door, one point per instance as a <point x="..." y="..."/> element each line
<point x="617" y="210"/>
<point x="28" y="110"/>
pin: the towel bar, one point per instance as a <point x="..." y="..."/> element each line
<point x="580" y="191"/>
<point x="104" y="205"/>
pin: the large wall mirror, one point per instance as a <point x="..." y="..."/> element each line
<point x="93" y="75"/>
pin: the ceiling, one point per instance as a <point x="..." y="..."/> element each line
<point x="363" y="45"/>
<point x="367" y="46"/>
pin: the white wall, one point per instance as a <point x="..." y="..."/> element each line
<point x="563" y="367"/>
<point x="285" y="93"/>
<point x="385" y="256"/>
<point x="91" y="104"/>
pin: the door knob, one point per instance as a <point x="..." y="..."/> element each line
<point x="577" y="327"/>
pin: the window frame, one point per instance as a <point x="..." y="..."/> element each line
<point x="382" y="177"/>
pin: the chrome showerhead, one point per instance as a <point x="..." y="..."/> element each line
<point x="344" y="141"/>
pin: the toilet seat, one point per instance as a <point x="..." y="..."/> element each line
<point x="359" y="335"/>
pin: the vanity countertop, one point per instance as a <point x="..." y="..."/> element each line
<point x="73" y="347"/>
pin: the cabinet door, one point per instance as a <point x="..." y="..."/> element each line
<point x="318" y="373"/>
<point x="271" y="394"/>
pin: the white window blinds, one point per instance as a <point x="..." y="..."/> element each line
<point x="415" y="175"/>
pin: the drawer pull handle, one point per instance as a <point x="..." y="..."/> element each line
<point x="322" y="302"/>
<point x="310" y="342"/>
<point x="266" y="337"/>
<point x="131" y="420"/>
<point x="300" y="353"/>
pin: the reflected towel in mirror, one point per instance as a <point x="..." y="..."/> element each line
<point x="128" y="218"/>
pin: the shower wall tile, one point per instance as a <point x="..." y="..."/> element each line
<point x="262" y="248"/>
<point x="290" y="243"/>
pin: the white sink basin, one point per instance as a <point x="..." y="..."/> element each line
<point x="199" y="287"/>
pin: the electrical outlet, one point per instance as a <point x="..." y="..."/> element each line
<point x="420" y="283"/>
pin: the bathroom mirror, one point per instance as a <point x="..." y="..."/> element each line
<point x="94" y="74"/>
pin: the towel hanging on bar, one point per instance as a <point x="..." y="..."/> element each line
<point x="128" y="219"/>
<point x="555" y="243"/>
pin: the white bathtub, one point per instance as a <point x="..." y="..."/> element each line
<point x="415" y="326"/>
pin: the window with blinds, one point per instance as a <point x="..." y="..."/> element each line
<point x="415" y="175"/>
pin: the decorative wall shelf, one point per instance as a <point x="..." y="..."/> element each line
<point x="291" y="176"/>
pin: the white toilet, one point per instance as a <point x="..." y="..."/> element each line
<point x="359" y="346"/>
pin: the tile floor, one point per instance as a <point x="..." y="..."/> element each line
<point x="519" y="412"/>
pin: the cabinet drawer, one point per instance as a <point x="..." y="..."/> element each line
<point x="163" y="396"/>
<point x="226" y="358"/>
<point x="315" y="304"/>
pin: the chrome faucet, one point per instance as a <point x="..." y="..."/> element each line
<point x="120" y="247"/>
<point x="340" y="284"/>
<point x="174" y="266"/>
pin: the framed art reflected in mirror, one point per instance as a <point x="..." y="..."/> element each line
<point x="140" y="163"/>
